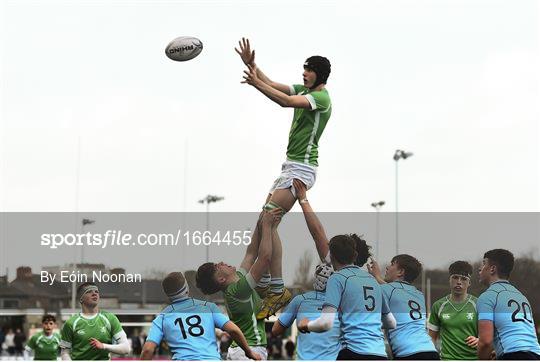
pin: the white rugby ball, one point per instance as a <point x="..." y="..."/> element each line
<point x="184" y="48"/>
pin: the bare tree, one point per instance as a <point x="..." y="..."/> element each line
<point x="304" y="274"/>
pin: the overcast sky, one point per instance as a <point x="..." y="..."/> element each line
<point x="95" y="117"/>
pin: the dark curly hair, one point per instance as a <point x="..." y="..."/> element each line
<point x="410" y="265"/>
<point x="502" y="259"/>
<point x="362" y="249"/>
<point x="349" y="249"/>
<point x="205" y="280"/>
<point x="460" y="267"/>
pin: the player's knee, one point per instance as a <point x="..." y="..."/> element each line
<point x="271" y="205"/>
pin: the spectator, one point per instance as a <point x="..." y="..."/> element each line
<point x="136" y="346"/>
<point x="19" y="340"/>
<point x="289" y="348"/>
<point x="9" y="341"/>
<point x="2" y="339"/>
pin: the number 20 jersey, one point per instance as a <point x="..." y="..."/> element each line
<point x="187" y="325"/>
<point x="408" y="306"/>
<point x="512" y="318"/>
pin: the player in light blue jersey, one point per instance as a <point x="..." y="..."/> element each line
<point x="505" y="317"/>
<point x="409" y="340"/>
<point x="358" y="300"/>
<point x="188" y="326"/>
<point x="311" y="346"/>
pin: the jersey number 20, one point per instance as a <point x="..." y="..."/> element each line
<point x="518" y="309"/>
<point x="194" y="327"/>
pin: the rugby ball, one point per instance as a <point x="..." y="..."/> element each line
<point x="184" y="48"/>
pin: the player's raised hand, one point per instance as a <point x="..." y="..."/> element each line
<point x="245" y="52"/>
<point x="96" y="344"/>
<point x="375" y="270"/>
<point x="250" y="75"/>
<point x="472" y="341"/>
<point x="300" y="189"/>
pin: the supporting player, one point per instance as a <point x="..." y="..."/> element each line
<point x="188" y="326"/>
<point x="505" y="317"/>
<point x="453" y="318"/>
<point x="409" y="340"/>
<point x="357" y="298"/>
<point x="311" y="346"/>
<point x="44" y="344"/>
<point x="90" y="334"/>
<point x="238" y="287"/>
<point x="312" y="110"/>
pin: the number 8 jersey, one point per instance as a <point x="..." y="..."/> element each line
<point x="187" y="325"/>
<point x="408" y="306"/>
<point x="512" y="318"/>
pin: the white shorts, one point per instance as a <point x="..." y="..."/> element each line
<point x="291" y="170"/>
<point x="238" y="354"/>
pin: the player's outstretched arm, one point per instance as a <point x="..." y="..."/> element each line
<point x="248" y="57"/>
<point x="253" y="248"/>
<point x="485" y="339"/>
<point x="284" y="100"/>
<point x="269" y="222"/>
<point x="148" y="351"/>
<point x="314" y="225"/>
<point x="238" y="337"/>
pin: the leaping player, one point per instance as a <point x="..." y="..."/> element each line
<point x="312" y="110"/>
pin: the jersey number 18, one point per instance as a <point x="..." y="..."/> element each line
<point x="194" y="327"/>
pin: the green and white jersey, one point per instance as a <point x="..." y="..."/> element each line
<point x="455" y="322"/>
<point x="78" y="330"/>
<point x="243" y="304"/>
<point x="44" y="347"/>
<point x="308" y="125"/>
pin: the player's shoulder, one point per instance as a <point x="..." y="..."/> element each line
<point x="109" y="316"/>
<point x="36" y="336"/>
<point x="309" y="295"/>
<point x="72" y="319"/>
<point x="439" y="302"/>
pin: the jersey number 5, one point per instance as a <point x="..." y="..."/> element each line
<point x="367" y="297"/>
<point x="194" y="328"/>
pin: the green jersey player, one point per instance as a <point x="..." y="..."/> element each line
<point x="454" y="318"/>
<point x="45" y="344"/>
<point x="312" y="110"/>
<point x="238" y="287"/>
<point x="90" y="334"/>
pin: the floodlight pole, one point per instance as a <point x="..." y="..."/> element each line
<point x="208" y="199"/>
<point x="398" y="155"/>
<point x="377" y="206"/>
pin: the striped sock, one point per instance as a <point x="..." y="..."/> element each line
<point x="264" y="281"/>
<point x="276" y="285"/>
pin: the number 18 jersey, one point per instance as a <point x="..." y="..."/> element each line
<point x="512" y="318"/>
<point x="187" y="326"/>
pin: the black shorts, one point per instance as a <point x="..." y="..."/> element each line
<point x="425" y="356"/>
<point x="347" y="354"/>
<point x="521" y="355"/>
